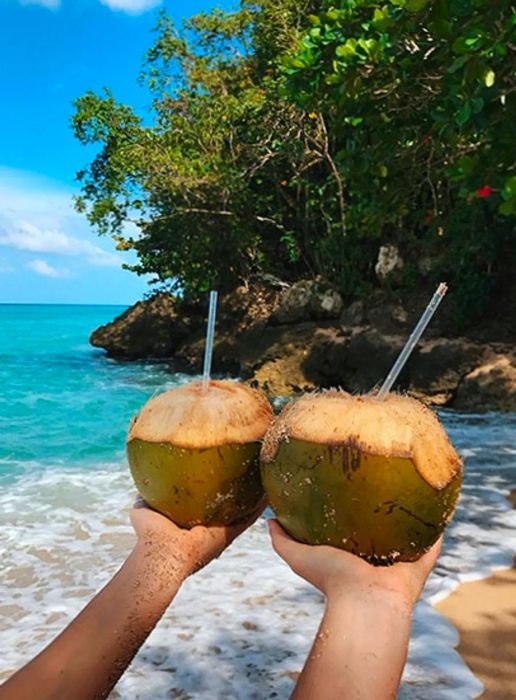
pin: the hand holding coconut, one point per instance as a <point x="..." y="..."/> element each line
<point x="361" y="646"/>
<point x="173" y="553"/>
<point x="341" y="575"/>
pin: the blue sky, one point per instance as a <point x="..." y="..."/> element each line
<point x="52" y="51"/>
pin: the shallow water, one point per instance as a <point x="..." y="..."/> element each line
<point x="241" y="628"/>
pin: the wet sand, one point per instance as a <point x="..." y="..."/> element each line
<point x="484" y="612"/>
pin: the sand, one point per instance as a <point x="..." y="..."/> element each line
<point x="484" y="612"/>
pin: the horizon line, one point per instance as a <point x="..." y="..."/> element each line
<point x="62" y="303"/>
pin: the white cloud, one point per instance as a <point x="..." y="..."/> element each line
<point x="37" y="216"/>
<point x="133" y="7"/>
<point x="43" y="268"/>
<point x="35" y="239"/>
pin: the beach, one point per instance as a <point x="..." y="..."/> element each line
<point x="484" y="613"/>
<point x="240" y="629"/>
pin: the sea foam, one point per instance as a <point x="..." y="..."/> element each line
<point x="242" y="627"/>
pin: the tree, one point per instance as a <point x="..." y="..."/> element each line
<point x="206" y="181"/>
<point x="297" y="137"/>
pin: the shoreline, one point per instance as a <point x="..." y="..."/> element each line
<point x="484" y="613"/>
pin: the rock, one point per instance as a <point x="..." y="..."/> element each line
<point x="324" y="364"/>
<point x="438" y="366"/>
<point x="326" y="303"/>
<point x="262" y="343"/>
<point x="282" y="377"/>
<point x="399" y="316"/>
<point x="272" y="357"/>
<point x="357" y="364"/>
<point x="307" y="300"/>
<point x="388" y="318"/>
<point x="319" y="344"/>
<point x="369" y="357"/>
<point x="150" y="328"/>
<point x="489" y="387"/>
<point x="294" y="303"/>
<point x="354" y="314"/>
<point x="389" y="263"/>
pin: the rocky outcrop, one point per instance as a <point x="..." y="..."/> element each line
<point x="306" y="300"/>
<point x="150" y="328"/>
<point x="490" y="386"/>
<point x="292" y="339"/>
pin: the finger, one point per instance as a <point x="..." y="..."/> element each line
<point x="428" y="560"/>
<point x="284" y="545"/>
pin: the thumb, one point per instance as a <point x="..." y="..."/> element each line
<point x="288" y="549"/>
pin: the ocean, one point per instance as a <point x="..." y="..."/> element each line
<point x="240" y="629"/>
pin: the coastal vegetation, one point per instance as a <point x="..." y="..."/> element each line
<point x="296" y="137"/>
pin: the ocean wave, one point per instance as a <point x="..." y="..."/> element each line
<point x="65" y="532"/>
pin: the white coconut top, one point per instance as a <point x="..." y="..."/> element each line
<point x="397" y="426"/>
<point x="227" y="413"/>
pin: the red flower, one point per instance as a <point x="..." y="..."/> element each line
<point x="426" y="139"/>
<point x="484" y="191"/>
<point x="428" y="217"/>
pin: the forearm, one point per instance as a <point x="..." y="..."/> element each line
<point x="360" y="650"/>
<point x="85" y="661"/>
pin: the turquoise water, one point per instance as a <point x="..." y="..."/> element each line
<point x="62" y="401"/>
<point x="65" y="490"/>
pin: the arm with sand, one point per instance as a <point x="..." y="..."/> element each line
<point x="361" y="645"/>
<point x="86" y="660"/>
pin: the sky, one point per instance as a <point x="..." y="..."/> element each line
<point x="51" y="52"/>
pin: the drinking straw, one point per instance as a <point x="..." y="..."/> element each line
<point x="208" y="352"/>
<point x="412" y="341"/>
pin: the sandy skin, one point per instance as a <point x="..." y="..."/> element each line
<point x="484" y="612"/>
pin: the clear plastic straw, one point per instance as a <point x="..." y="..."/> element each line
<point x="208" y="352"/>
<point x="412" y="341"/>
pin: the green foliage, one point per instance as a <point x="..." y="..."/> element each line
<point x="297" y="137"/>
<point x="420" y="99"/>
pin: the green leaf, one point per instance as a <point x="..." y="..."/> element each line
<point x="477" y="104"/>
<point x="489" y="78"/>
<point x="507" y="208"/>
<point x="509" y="188"/>
<point x="458" y="63"/>
<point x="347" y="50"/>
<point x="464" y="114"/>
<point x="416" y="5"/>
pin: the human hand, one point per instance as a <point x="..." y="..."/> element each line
<point x="336" y="572"/>
<point x="176" y="553"/>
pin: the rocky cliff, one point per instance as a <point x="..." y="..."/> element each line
<point x="288" y="339"/>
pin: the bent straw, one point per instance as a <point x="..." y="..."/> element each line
<point x="412" y="341"/>
<point x="208" y="351"/>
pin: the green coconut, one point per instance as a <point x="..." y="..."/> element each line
<point x="194" y="454"/>
<point x="379" y="479"/>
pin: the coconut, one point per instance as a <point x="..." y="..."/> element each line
<point x="194" y="454"/>
<point x="379" y="479"/>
